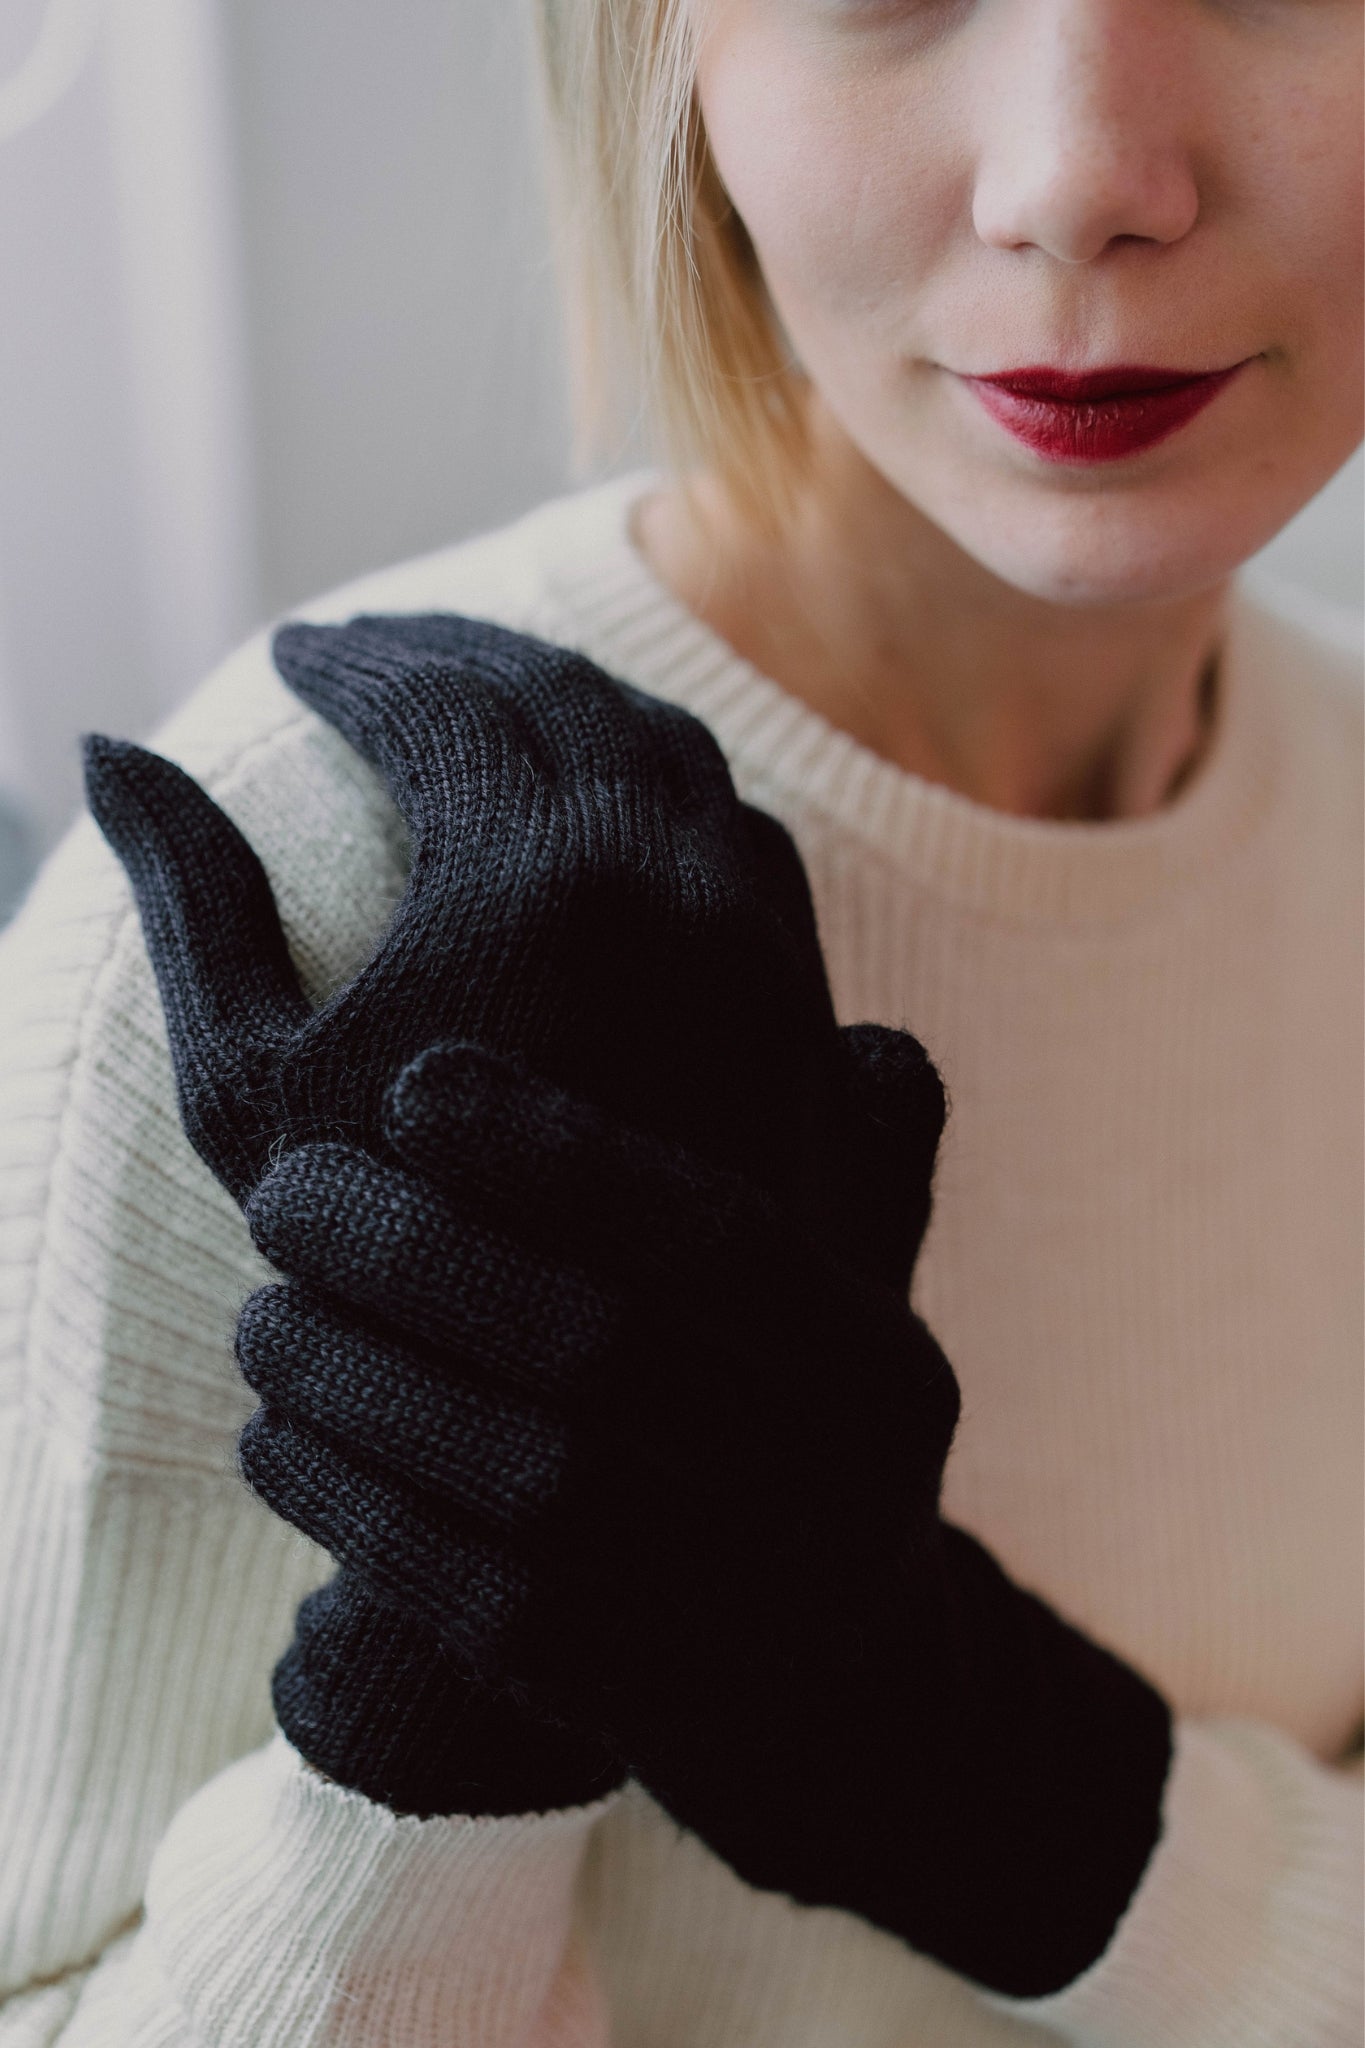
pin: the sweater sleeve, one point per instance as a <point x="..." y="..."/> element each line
<point x="282" y="1909"/>
<point x="1246" y="1930"/>
<point x="147" y="1802"/>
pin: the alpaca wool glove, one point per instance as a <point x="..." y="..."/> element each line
<point x="583" y="884"/>
<point x="612" y="1409"/>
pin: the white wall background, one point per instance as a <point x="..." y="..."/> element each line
<point x="277" y="308"/>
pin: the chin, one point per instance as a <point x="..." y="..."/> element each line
<point x="1109" y="551"/>
<point x="1086" y="578"/>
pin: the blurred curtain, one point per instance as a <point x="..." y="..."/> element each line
<point x="126" y="543"/>
<point x="278" y="307"/>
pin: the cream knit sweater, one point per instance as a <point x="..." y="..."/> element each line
<point x="1144" y="1263"/>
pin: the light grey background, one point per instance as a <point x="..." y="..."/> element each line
<point x="278" y="308"/>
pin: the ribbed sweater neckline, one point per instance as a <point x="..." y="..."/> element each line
<point x="616" y="609"/>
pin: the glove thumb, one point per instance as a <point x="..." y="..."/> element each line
<point x="228" y="987"/>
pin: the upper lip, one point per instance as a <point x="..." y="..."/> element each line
<point x="1040" y="380"/>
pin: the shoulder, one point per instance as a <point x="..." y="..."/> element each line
<point x="115" y="1242"/>
<point x="313" y="810"/>
<point x="316" y="813"/>
<point x="1307" y="654"/>
<point x="1315" y="645"/>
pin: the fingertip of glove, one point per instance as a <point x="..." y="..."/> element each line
<point x="358" y="677"/>
<point x="101" y="760"/>
<point x="126" y="788"/>
<point x="111" y="764"/>
<point x="98" y="747"/>
<point x="369" y="648"/>
<point x="259" y="1314"/>
<point x="299" y="650"/>
<point x="460" y="1075"/>
<point x="461" y="1094"/>
<point x="892" y="1069"/>
<point x="278" y="1208"/>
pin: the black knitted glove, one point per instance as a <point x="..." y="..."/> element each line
<point x="586" y="890"/>
<point x="716" y="1537"/>
<point x="652" y="1443"/>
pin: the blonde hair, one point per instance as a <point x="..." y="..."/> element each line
<point x="670" y="327"/>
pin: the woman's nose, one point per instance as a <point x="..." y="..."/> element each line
<point x="1087" y="140"/>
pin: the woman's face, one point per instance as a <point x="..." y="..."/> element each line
<point x="946" y="189"/>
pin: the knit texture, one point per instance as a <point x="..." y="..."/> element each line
<point x="727" y="1572"/>
<point x="560" y="824"/>
<point x="1166" y="1443"/>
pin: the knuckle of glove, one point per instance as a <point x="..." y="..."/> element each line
<point x="303" y="1204"/>
<point x="493" y="1452"/>
<point x="452" y="1106"/>
<point x="264" y="1326"/>
<point x="298" y="1356"/>
<point x="332" y="1214"/>
<point x="473" y="1589"/>
<point x="279" y="1464"/>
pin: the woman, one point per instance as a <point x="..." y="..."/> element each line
<point x="985" y="344"/>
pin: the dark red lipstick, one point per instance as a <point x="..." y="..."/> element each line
<point x="1096" y="415"/>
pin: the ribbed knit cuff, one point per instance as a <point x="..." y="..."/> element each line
<point x="284" y="1909"/>
<point x="370" y="1697"/>
<point x="1246" y="1929"/>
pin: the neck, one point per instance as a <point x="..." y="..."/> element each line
<point x="874" y="617"/>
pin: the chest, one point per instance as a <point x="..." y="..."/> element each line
<point x="1144" y="1263"/>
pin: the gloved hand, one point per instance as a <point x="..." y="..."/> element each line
<point x="586" y="890"/>
<point x="715" y="1539"/>
<point x="654" y="1444"/>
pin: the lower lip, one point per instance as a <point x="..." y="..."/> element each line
<point x="1099" y="429"/>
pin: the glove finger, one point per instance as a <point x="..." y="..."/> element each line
<point x="786" y="888"/>
<point x="717" y="1284"/>
<point x="228" y="986"/>
<point x="895" y="1108"/>
<point x="680" y="1412"/>
<point x="474" y="942"/>
<point x="896" y="1084"/>
<point x="387" y="1243"/>
<point x="558" y="820"/>
<point x="568" y="1176"/>
<point x="479" y="935"/>
<point x="707" y="1361"/>
<point x="722" y="1397"/>
<point x="490" y="1454"/>
<point x="372" y="1698"/>
<point x="372" y="677"/>
<point x="402" y="1546"/>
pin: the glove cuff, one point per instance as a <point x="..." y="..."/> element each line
<point x="373" y="1698"/>
<point x="972" y="1774"/>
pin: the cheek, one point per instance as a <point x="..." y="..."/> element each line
<point x="1301" y="192"/>
<point x="1294" y="158"/>
<point x="1322" y="222"/>
<point x="837" y="188"/>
